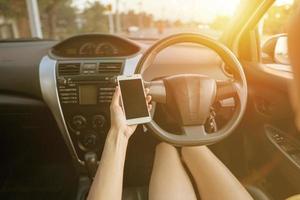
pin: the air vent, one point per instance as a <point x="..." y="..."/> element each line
<point x="68" y="69"/>
<point x="111" y="68"/>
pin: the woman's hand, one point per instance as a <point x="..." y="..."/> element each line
<point x="118" y="120"/>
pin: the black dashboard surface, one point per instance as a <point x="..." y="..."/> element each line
<point x="27" y="78"/>
<point x="19" y="63"/>
<point x="19" y="67"/>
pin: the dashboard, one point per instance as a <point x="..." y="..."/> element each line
<point x="75" y="79"/>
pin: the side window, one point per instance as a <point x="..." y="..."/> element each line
<point x="273" y="28"/>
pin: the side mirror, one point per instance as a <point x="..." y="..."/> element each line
<point x="281" y="54"/>
<point x="275" y="50"/>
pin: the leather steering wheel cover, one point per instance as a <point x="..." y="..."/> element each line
<point x="229" y="58"/>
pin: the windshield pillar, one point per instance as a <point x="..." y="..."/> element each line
<point x="34" y="18"/>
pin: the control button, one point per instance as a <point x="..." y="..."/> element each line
<point x="69" y="102"/>
<point x="98" y="121"/>
<point x="105" y="97"/>
<point x="89" y="141"/>
<point x="69" y="98"/>
<point x="113" y="79"/>
<point x="68" y="94"/>
<point x="89" y="66"/>
<point x="107" y="89"/>
<point x="67" y="89"/>
<point x="106" y="93"/>
<point x="78" y="121"/>
<point x="62" y="81"/>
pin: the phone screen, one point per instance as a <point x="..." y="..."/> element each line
<point x="133" y="98"/>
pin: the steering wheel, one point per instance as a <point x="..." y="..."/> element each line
<point x="189" y="97"/>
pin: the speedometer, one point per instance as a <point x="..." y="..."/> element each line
<point x="87" y="49"/>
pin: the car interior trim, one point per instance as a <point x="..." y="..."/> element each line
<point x="48" y="84"/>
<point x="287" y="146"/>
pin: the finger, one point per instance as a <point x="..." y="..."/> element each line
<point x="116" y="97"/>
<point x="147" y="90"/>
<point x="149" y="107"/>
<point x="148" y="98"/>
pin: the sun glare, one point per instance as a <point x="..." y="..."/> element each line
<point x="284" y="2"/>
<point x="203" y="11"/>
<point x="185" y="10"/>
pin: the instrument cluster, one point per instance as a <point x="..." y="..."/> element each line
<point x="101" y="49"/>
<point x="95" y="45"/>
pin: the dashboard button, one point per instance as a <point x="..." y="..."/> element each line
<point x="78" y="122"/>
<point x="98" y="121"/>
<point x="88" y="141"/>
<point x="62" y="81"/>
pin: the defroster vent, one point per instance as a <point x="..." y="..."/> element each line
<point x="65" y="69"/>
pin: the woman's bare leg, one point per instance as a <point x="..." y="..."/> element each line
<point x="213" y="179"/>
<point x="169" y="180"/>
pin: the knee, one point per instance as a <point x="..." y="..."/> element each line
<point x="191" y="152"/>
<point x="164" y="147"/>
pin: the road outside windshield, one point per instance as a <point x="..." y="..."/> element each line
<point x="134" y="18"/>
<point x="59" y="19"/>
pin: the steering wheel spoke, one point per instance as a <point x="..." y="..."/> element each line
<point x="157" y="90"/>
<point x="226" y="89"/>
<point x="194" y="131"/>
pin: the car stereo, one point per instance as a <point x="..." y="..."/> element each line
<point x="87" y="83"/>
<point x="90" y="90"/>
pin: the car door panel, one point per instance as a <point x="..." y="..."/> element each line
<point x="278" y="137"/>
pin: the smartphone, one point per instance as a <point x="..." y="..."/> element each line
<point x="133" y="99"/>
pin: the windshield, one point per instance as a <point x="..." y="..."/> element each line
<point x="58" y="19"/>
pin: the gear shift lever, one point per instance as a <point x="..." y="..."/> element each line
<point x="91" y="163"/>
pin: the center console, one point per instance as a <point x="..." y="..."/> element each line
<point x="85" y="90"/>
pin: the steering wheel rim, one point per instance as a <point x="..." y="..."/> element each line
<point x="196" y="135"/>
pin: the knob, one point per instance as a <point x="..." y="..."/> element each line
<point x="89" y="141"/>
<point x="78" y="121"/>
<point x="98" y="121"/>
